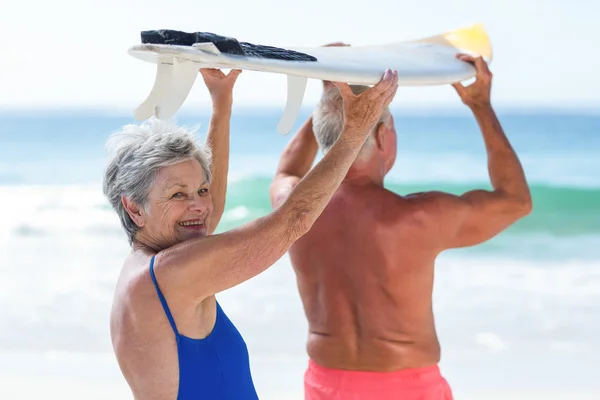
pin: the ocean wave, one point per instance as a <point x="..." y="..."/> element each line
<point x="559" y="212"/>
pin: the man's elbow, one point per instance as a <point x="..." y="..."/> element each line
<point x="516" y="205"/>
<point x="522" y="207"/>
<point x="528" y="206"/>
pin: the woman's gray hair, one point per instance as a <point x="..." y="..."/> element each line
<point x="328" y="118"/>
<point x="136" y="153"/>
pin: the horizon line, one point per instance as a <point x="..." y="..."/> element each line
<point x="204" y="108"/>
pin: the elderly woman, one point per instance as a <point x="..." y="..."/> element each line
<point x="170" y="335"/>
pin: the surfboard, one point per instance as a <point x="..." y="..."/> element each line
<point x="422" y="62"/>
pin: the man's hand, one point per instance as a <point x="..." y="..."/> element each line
<point x="219" y="85"/>
<point x="482" y="214"/>
<point x="476" y="95"/>
<point x="336" y="44"/>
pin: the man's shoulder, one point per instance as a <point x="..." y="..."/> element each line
<point x="428" y="195"/>
<point x="433" y="197"/>
<point x="424" y="204"/>
<point x="413" y="197"/>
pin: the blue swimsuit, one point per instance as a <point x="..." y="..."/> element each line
<point x="216" y="367"/>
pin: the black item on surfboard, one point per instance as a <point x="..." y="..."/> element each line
<point x="225" y="44"/>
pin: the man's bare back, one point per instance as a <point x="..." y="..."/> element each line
<point x="365" y="270"/>
<point x="365" y="275"/>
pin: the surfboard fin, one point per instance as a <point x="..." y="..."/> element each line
<point x="174" y="80"/>
<point x="162" y="83"/>
<point x="296" y="86"/>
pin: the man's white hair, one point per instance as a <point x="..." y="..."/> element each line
<point x="136" y="153"/>
<point x="328" y="119"/>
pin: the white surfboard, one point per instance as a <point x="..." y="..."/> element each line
<point x="424" y="62"/>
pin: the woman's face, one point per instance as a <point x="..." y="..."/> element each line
<point x="179" y="205"/>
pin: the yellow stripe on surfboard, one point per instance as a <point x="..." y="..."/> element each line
<point x="473" y="39"/>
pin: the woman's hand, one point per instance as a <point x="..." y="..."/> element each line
<point x="219" y="85"/>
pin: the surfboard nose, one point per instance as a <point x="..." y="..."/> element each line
<point x="473" y="39"/>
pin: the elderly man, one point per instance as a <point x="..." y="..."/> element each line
<point x="365" y="269"/>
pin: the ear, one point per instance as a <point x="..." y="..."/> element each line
<point x="380" y="136"/>
<point x="134" y="211"/>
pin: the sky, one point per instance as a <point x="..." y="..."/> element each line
<point x="73" y="53"/>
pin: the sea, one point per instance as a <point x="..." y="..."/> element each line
<point x="519" y="312"/>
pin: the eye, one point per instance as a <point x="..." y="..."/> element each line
<point x="203" y="192"/>
<point x="178" y="195"/>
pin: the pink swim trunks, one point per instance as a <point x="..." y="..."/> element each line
<point x="427" y="383"/>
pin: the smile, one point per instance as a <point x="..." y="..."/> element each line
<point x="192" y="223"/>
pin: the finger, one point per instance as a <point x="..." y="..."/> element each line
<point x="393" y="85"/>
<point x="337" y="44"/>
<point x="395" y="80"/>
<point x="389" y="94"/>
<point x="392" y="94"/>
<point x="385" y="82"/>
<point x="210" y="73"/>
<point x="234" y="73"/>
<point x="482" y="68"/>
<point x="390" y="98"/>
<point x="479" y="63"/>
<point x="344" y="89"/>
<point x="466" y="58"/>
<point x="460" y="89"/>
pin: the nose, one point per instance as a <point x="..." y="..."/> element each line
<point x="198" y="203"/>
